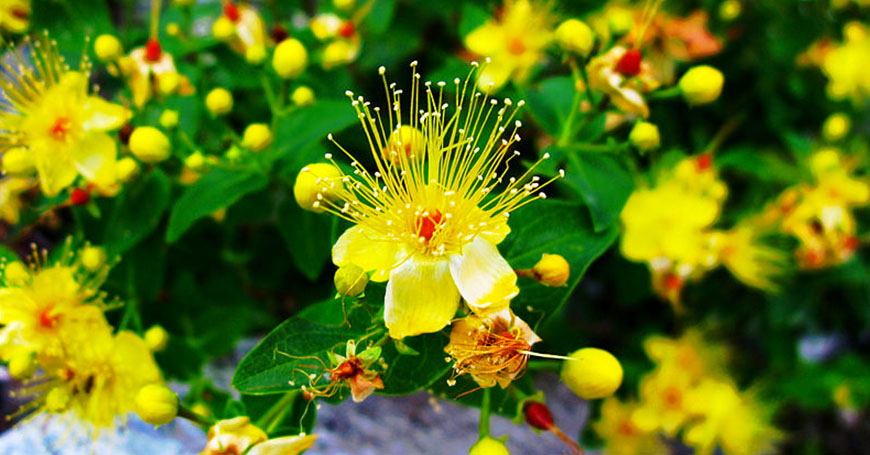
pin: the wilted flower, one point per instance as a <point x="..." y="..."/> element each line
<point x="623" y="75"/>
<point x="150" y="70"/>
<point x="240" y="436"/>
<point x="349" y="370"/>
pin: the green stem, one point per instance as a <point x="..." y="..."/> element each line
<point x="270" y="93"/>
<point x="550" y="366"/>
<point x="270" y="420"/>
<point x="568" y="126"/>
<point x="670" y="92"/>
<point x="587" y="147"/>
<point x="483" y="427"/>
<point x="194" y="417"/>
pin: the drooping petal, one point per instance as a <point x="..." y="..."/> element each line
<point x="288" y="445"/>
<point x="359" y="245"/>
<point x="94" y="157"/>
<point x="101" y="115"/>
<point x="362" y="387"/>
<point x="421" y="297"/>
<point x="484" y="278"/>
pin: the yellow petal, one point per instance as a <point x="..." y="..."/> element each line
<point x="54" y="167"/>
<point x="289" y="445"/>
<point x="486" y="40"/>
<point x="485" y="279"/>
<point x="421" y="297"/>
<point x="101" y="115"/>
<point x="363" y="247"/>
<point x="494" y="75"/>
<point x="94" y="157"/>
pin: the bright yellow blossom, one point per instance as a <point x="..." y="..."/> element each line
<point x="428" y="221"/>
<point x="621" y="436"/>
<point x="663" y="401"/>
<point x="239" y="435"/>
<point x="52" y="114"/>
<point x="846" y="65"/>
<point x="15" y="15"/>
<point x="514" y="42"/>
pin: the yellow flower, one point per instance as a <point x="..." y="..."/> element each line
<point x="15" y="15"/>
<point x="429" y="219"/>
<point x="624" y="76"/>
<point x="662" y="400"/>
<point x="493" y="349"/>
<point x="52" y="115"/>
<point x="744" y="254"/>
<point x="729" y="419"/>
<point x="247" y="31"/>
<point x="689" y="353"/>
<point x="240" y="436"/>
<point x="514" y="42"/>
<point x="621" y="436"/>
<point x="846" y="65"/>
<point x="149" y="64"/>
<point x="10" y="198"/>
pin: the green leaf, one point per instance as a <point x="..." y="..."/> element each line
<point x="308" y="237"/>
<point x="297" y="417"/>
<point x="291" y="353"/>
<point x="8" y="254"/>
<point x="138" y="211"/>
<point x="410" y="373"/>
<point x="550" y="103"/>
<point x="604" y="183"/>
<point x="473" y="16"/>
<point x="554" y="227"/>
<point x="217" y="189"/>
<point x="380" y="16"/>
<point x="308" y="125"/>
<point x="70" y="23"/>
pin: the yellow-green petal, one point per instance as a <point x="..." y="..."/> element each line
<point x="484" y="278"/>
<point x="363" y="247"/>
<point x="421" y="297"/>
<point x="94" y="157"/>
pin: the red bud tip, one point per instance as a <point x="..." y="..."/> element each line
<point x="673" y="282"/>
<point x="278" y="33"/>
<point x="629" y="64"/>
<point x="347" y="30"/>
<point x="153" y="50"/>
<point x="705" y="161"/>
<point x="79" y="196"/>
<point x="852" y="243"/>
<point x="231" y="11"/>
<point x="538" y="416"/>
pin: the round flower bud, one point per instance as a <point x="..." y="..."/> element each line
<point x="169" y="119"/>
<point x="730" y="10"/>
<point x="836" y="127"/>
<point x="290" y="58"/>
<point x="168" y="83"/>
<point x="350" y="280"/>
<point x="592" y="373"/>
<point x="574" y="35"/>
<point x="257" y="136"/>
<point x="644" y="136"/>
<point x="156" y="338"/>
<point x="223" y="29"/>
<point x="233" y="154"/>
<point x="552" y="270"/>
<point x="344" y="5"/>
<point x="18" y="162"/>
<point x="256" y="54"/>
<point x="489" y="446"/>
<point x="125" y="169"/>
<point x="93" y="258"/>
<point x="16" y="273"/>
<point x="57" y="400"/>
<point x="156" y="404"/>
<point x="201" y="410"/>
<point x="701" y="84"/>
<point x="219" y="101"/>
<point x="314" y="179"/>
<point x="108" y="48"/>
<point x="22" y="365"/>
<point x="302" y="96"/>
<point x="336" y="53"/>
<point x="149" y="144"/>
<point x="194" y="161"/>
<point x="173" y="29"/>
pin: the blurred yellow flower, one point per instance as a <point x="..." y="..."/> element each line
<point x="624" y="76"/>
<point x="430" y="217"/>
<point x="514" y="41"/>
<point x="52" y="115"/>
<point x="246" y="28"/>
<point x="846" y="65"/>
<point x="10" y="198"/>
<point x="240" y="436"/>
<point x="621" y="436"/>
<point x="150" y="70"/>
<point x="15" y="15"/>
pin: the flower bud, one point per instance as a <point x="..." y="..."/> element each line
<point x="57" y="400"/>
<point x="169" y="119"/>
<point x="79" y="197"/>
<point x="156" y="338"/>
<point x="223" y="29"/>
<point x="201" y="409"/>
<point x="195" y="161"/>
<point x="168" y="83"/>
<point x="552" y="270"/>
<point x="350" y="280"/>
<point x="125" y="169"/>
<point x="592" y="373"/>
<point x="16" y="273"/>
<point x="93" y="258"/>
<point x="489" y="446"/>
<point x="302" y="96"/>
<point x="644" y="136"/>
<point x="338" y="52"/>
<point x="257" y="136"/>
<point x="538" y="416"/>
<point x="22" y="365"/>
<point x="256" y="54"/>
<point x="156" y="404"/>
<point x="701" y="85"/>
<point x="108" y="48"/>
<point x="290" y="58"/>
<point x="219" y="101"/>
<point x="149" y="144"/>
<point x="574" y="35"/>
<point x="173" y="29"/>
<point x="836" y="127"/>
<point x="730" y="10"/>
<point x="18" y="162"/>
<point x="314" y="179"/>
<point x="344" y="5"/>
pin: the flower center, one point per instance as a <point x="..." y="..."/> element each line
<point x="673" y="397"/>
<point x="347" y="30"/>
<point x="629" y="64"/>
<point x="427" y="224"/>
<point x="46" y="319"/>
<point x="153" y="50"/>
<point x="60" y="128"/>
<point x="231" y="11"/>
<point x="516" y="46"/>
<point x="704" y="162"/>
<point x="626" y="429"/>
